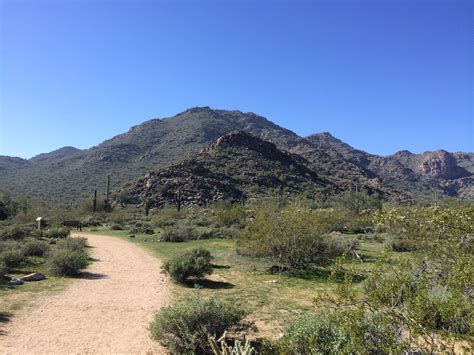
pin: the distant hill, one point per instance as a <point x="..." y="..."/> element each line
<point x="69" y="174"/>
<point x="237" y="166"/>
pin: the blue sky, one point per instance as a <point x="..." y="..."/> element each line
<point x="382" y="75"/>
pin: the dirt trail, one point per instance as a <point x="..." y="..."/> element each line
<point x="106" y="312"/>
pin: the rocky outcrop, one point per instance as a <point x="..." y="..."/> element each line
<point x="439" y="164"/>
<point x="236" y="166"/>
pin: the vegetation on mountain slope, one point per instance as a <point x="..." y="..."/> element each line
<point x="68" y="174"/>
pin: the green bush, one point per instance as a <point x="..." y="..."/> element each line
<point x="357" y="202"/>
<point x="179" y="234"/>
<point x="185" y="327"/>
<point x="15" y="232"/>
<point x="314" y="334"/>
<point x="67" y="262"/>
<point x="196" y="263"/>
<point x="402" y="245"/>
<point x="221" y="232"/>
<point x="116" y="227"/>
<point x="58" y="233"/>
<point x="78" y="243"/>
<point x="231" y="215"/>
<point x="294" y="238"/>
<point x="7" y="245"/>
<point x="11" y="258"/>
<point x="349" y="332"/>
<point x="34" y="247"/>
<point x="3" y="270"/>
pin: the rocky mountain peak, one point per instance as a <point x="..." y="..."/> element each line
<point x="438" y="164"/>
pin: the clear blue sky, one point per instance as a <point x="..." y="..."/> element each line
<point x="382" y="75"/>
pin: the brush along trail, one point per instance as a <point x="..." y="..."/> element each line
<point x="105" y="311"/>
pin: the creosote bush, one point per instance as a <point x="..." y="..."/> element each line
<point x="34" y="247"/>
<point x="185" y="327"/>
<point x="11" y="258"/>
<point x="65" y="262"/>
<point x="69" y="257"/>
<point x="294" y="237"/>
<point x="78" y="243"/>
<point x="196" y="263"/>
<point x="179" y="234"/>
<point x="15" y="232"/>
<point x="58" y="233"/>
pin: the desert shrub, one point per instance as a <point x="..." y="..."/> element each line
<point x="6" y="245"/>
<point x="34" y="247"/>
<point x="357" y="202"/>
<point x="58" y="233"/>
<point x="230" y="215"/>
<point x="3" y="270"/>
<point x="91" y="221"/>
<point x="196" y="263"/>
<point x="67" y="262"/>
<point x="11" y="258"/>
<point x="15" y="232"/>
<point x="126" y="198"/>
<point x="179" y="234"/>
<point x="221" y="232"/>
<point x="141" y="227"/>
<point x="401" y="245"/>
<point x="312" y="333"/>
<point x="116" y="227"/>
<point x="185" y="327"/>
<point x="294" y="238"/>
<point x="76" y="244"/>
<point x="202" y="222"/>
<point x="165" y="223"/>
<point x="338" y="245"/>
<point x="167" y="217"/>
<point x="351" y="332"/>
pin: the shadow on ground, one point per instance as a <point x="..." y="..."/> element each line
<point x="5" y="317"/>
<point x="220" y="266"/>
<point x="92" y="276"/>
<point x="210" y="284"/>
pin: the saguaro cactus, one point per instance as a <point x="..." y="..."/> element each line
<point x="147" y="207"/>
<point x="94" y="201"/>
<point x="178" y="198"/>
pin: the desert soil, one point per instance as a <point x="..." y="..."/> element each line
<point x="107" y="311"/>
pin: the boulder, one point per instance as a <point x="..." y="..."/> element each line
<point x="15" y="282"/>
<point x="36" y="276"/>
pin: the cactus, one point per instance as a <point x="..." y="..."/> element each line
<point x="178" y="198"/>
<point x="147" y="207"/>
<point x="239" y="348"/>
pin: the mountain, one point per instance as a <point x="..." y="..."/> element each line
<point x="69" y="174"/>
<point x="236" y="166"/>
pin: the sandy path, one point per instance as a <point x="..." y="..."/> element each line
<point x="107" y="312"/>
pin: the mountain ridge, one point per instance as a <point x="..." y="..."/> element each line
<point x="69" y="173"/>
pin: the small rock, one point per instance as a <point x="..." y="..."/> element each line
<point x="36" y="276"/>
<point x="15" y="282"/>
